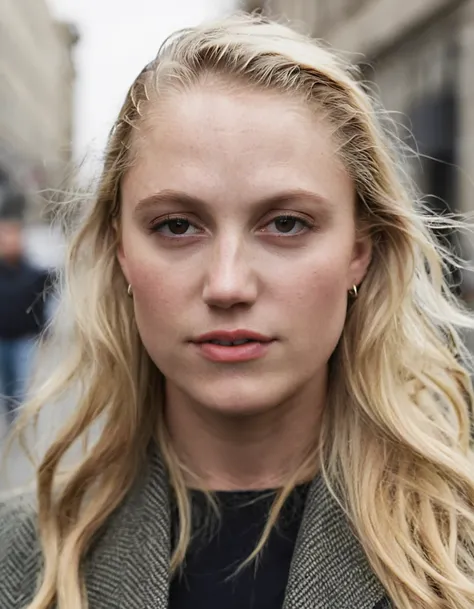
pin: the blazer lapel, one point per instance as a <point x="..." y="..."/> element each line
<point x="329" y="568"/>
<point x="129" y="565"/>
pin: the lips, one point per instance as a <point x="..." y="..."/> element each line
<point x="233" y="346"/>
<point x="233" y="337"/>
<point x="235" y="343"/>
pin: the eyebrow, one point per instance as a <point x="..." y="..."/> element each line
<point x="183" y="199"/>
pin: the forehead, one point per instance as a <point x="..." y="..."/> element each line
<point x="239" y="144"/>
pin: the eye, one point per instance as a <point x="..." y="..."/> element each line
<point x="287" y="225"/>
<point x="174" y="227"/>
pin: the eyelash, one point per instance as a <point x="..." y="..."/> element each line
<point x="308" y="225"/>
<point x="154" y="228"/>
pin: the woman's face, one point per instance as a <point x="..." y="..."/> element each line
<point x="238" y="224"/>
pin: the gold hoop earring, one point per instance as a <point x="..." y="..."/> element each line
<point x="353" y="291"/>
<point x="130" y="290"/>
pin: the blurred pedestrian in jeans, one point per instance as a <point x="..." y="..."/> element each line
<point x="22" y="314"/>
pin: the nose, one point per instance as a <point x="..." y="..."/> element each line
<point x="230" y="279"/>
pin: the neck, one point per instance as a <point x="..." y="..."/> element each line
<point x="252" y="451"/>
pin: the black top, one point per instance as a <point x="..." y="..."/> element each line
<point x="207" y="579"/>
<point x="22" y="303"/>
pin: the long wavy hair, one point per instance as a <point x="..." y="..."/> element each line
<point x="394" y="445"/>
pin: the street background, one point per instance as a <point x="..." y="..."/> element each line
<point x="65" y="66"/>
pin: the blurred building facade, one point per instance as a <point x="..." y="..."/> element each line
<point x="36" y="94"/>
<point x="420" y="55"/>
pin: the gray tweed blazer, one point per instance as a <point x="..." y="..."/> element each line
<point x="128" y="565"/>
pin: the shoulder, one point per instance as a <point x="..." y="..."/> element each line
<point x="19" y="551"/>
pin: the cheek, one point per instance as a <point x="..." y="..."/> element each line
<point x="319" y="280"/>
<point x="315" y="297"/>
<point x="318" y="297"/>
<point x="159" y="295"/>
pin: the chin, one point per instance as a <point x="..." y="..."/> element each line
<point x="239" y="409"/>
<point x="240" y="398"/>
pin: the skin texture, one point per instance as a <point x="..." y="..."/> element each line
<point x="271" y="246"/>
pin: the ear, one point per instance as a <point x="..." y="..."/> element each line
<point x="361" y="257"/>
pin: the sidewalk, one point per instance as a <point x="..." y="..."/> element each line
<point x="16" y="471"/>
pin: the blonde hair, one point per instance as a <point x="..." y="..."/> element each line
<point x="395" y="439"/>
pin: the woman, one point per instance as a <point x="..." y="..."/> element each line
<point x="261" y="328"/>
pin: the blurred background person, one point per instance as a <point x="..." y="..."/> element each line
<point x="23" y="310"/>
